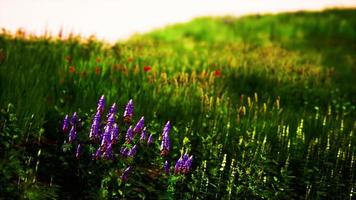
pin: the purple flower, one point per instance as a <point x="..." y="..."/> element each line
<point x="74" y="120"/>
<point x="78" y="151"/>
<point x="139" y="126"/>
<point x="150" y="139"/>
<point x="97" y="154"/>
<point x="167" y="128"/>
<point x="114" y="133"/>
<point x="111" y="120"/>
<point x="178" y="166"/>
<point x="108" y="151"/>
<point x="72" y="134"/>
<point x="101" y="104"/>
<point x="126" y="173"/>
<point x="166" y="167"/>
<point x="112" y="110"/>
<point x="106" y="137"/>
<point x="124" y="151"/>
<point x="94" y="130"/>
<point x="183" y="165"/>
<point x="143" y="136"/>
<point x="129" y="135"/>
<point x="165" y="145"/>
<point x="65" y="125"/>
<point x="132" y="151"/>
<point x="128" y="111"/>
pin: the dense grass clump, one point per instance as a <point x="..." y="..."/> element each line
<point x="266" y="104"/>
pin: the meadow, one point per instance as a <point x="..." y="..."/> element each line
<point x="264" y="103"/>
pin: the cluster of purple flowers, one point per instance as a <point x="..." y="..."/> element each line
<point x="183" y="165"/>
<point x="166" y="144"/>
<point x="107" y="136"/>
<point x="71" y="125"/>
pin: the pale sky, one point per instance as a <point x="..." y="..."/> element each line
<point x="118" y="19"/>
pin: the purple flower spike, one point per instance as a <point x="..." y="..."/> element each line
<point x="112" y="110"/>
<point x="106" y="137"/>
<point x="139" y="126"/>
<point x="166" y="167"/>
<point x="128" y="111"/>
<point x="178" y="166"/>
<point x="111" y="120"/>
<point x="97" y="154"/>
<point x="133" y="151"/>
<point x="74" y="119"/>
<point x="101" y="104"/>
<point x="143" y="135"/>
<point x="108" y="152"/>
<point x="94" y="129"/>
<point x="65" y="125"/>
<point x="126" y="173"/>
<point x="78" y="151"/>
<point x="188" y="164"/>
<point x="114" y="134"/>
<point x="124" y="151"/>
<point x="165" y="145"/>
<point x="150" y="139"/>
<point x="72" y="134"/>
<point x="129" y="135"/>
<point x="167" y="127"/>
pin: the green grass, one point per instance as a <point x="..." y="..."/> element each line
<point x="282" y="112"/>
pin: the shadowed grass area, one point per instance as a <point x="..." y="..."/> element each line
<point x="266" y="104"/>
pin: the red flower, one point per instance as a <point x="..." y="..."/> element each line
<point x="71" y="69"/>
<point x="129" y="59"/>
<point x="97" y="70"/>
<point x="217" y="72"/>
<point x="147" y="68"/>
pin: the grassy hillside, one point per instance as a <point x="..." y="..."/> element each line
<point x="266" y="104"/>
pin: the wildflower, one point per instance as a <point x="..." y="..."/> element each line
<point x="112" y="110"/>
<point x="106" y="137"/>
<point x="143" y="135"/>
<point x="71" y="69"/>
<point x="114" y="133"/>
<point x="78" y="151"/>
<point x="183" y="165"/>
<point x="111" y="120"/>
<point x="101" y="104"/>
<point x="178" y="166"/>
<point x="126" y="173"/>
<point x="217" y="72"/>
<point x="132" y="151"/>
<point x="94" y="130"/>
<point x="72" y="134"/>
<point x="166" y="167"/>
<point x="165" y="145"/>
<point x="124" y="151"/>
<point x="147" y="68"/>
<point x="139" y="126"/>
<point x="129" y="135"/>
<point x="74" y="120"/>
<point x="65" y="125"/>
<point x="150" y="139"/>
<point x="129" y="59"/>
<point x="167" y="127"/>
<point x="108" y="151"/>
<point x="97" y="154"/>
<point x="128" y="111"/>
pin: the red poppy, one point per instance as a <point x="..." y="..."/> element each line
<point x="97" y="70"/>
<point x="147" y="68"/>
<point x="71" y="69"/>
<point x="217" y="72"/>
